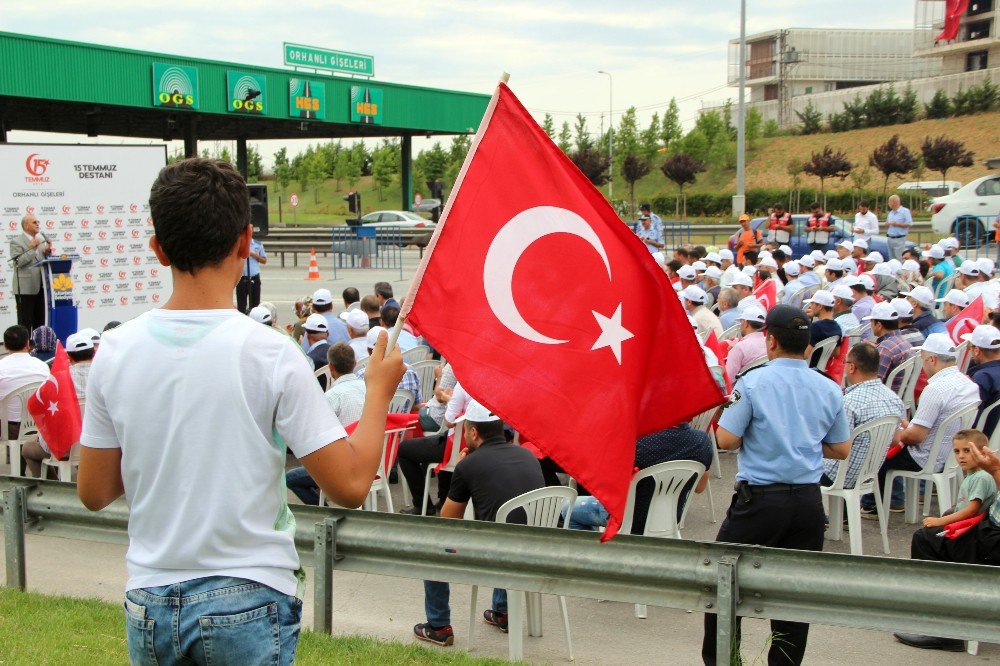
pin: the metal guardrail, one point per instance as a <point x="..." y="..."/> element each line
<point x="976" y="234"/>
<point x="879" y="593"/>
<point x="367" y="247"/>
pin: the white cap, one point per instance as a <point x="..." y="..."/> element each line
<point x="903" y="307"/>
<point x="686" y="273"/>
<point x="983" y="336"/>
<point x="372" y="336"/>
<point x="752" y="313"/>
<point x="787" y="250"/>
<point x="842" y="291"/>
<point x="792" y="268"/>
<point x="831" y="254"/>
<point x="895" y="265"/>
<point x="818" y="256"/>
<point x="357" y="320"/>
<point x="476" y="413"/>
<point x="90" y="333"/>
<point x="951" y="242"/>
<point x="742" y="279"/>
<point x="79" y="341"/>
<point x="922" y="295"/>
<point x="262" y="315"/>
<point x="986" y="265"/>
<point x="936" y="252"/>
<point x="956" y="297"/>
<point x="713" y="272"/>
<point x="911" y="265"/>
<point x="694" y="294"/>
<point x="882" y="269"/>
<point x="850" y="281"/>
<point x="939" y="343"/>
<point x="834" y="264"/>
<point x="750" y="270"/>
<point x="764" y="254"/>
<point x="699" y="266"/>
<point x="883" y="312"/>
<point x="726" y="254"/>
<point x="970" y="268"/>
<point x="316" y="323"/>
<point x="808" y="261"/>
<point x="322" y="297"/>
<point x="769" y="262"/>
<point x="821" y="297"/>
<point x="677" y="286"/>
<point x="874" y="257"/>
<point x="862" y="243"/>
<point x="847" y="245"/>
<point x="866" y="281"/>
<point x="714" y="257"/>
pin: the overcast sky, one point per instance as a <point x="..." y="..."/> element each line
<point x="655" y="50"/>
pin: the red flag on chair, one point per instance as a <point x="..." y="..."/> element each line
<point x="767" y="293"/>
<point x="966" y="320"/>
<point x="55" y="408"/>
<point x="721" y="351"/>
<point x="553" y="312"/>
<point x="835" y="366"/>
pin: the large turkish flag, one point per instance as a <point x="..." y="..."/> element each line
<point x="552" y="312"/>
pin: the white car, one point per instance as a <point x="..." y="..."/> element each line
<point x="969" y="213"/>
<point x="396" y="218"/>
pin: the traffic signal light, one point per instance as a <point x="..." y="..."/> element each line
<point x="353" y="200"/>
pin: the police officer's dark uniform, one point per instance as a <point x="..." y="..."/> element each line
<point x="784" y="412"/>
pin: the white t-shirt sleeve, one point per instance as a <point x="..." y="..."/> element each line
<point x="456" y="406"/>
<point x="98" y="429"/>
<point x="302" y="417"/>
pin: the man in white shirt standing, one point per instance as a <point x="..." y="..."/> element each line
<point x="865" y="222"/>
<point x="18" y="369"/>
<point x="189" y="410"/>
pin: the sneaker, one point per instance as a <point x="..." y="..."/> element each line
<point x="897" y="508"/>
<point x="443" y="636"/>
<point x="869" y="513"/>
<point x="496" y="618"/>
<point x="415" y="511"/>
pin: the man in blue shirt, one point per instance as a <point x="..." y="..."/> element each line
<point x="922" y="300"/>
<point x="248" y="288"/>
<point x="940" y="270"/>
<point x="984" y="344"/>
<point x="898" y="221"/>
<point x="656" y="222"/>
<point x="782" y="442"/>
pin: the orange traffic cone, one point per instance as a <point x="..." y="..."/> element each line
<point x="313" y="266"/>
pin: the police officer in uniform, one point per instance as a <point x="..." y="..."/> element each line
<point x="784" y="418"/>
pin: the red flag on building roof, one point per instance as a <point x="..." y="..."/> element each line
<point x="553" y="312"/>
<point x="952" y="18"/>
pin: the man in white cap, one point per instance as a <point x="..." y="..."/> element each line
<point x="710" y="282"/>
<point x="493" y="472"/>
<point x="865" y="222"/>
<point x="261" y="315"/>
<point x="794" y="285"/>
<point x="728" y="266"/>
<point x="940" y="270"/>
<point x="808" y="275"/>
<point x="843" y="300"/>
<point x="893" y="349"/>
<point x="835" y="272"/>
<point x="971" y="279"/>
<point x="317" y="336"/>
<point x="357" y="328"/>
<point x="906" y="328"/>
<point x="743" y="286"/>
<point x="844" y="249"/>
<point x="954" y="302"/>
<point x="94" y="336"/>
<point x="751" y="346"/>
<point x="947" y="391"/>
<point x="410" y="380"/>
<point x="728" y="302"/>
<point x="693" y="299"/>
<point x="984" y="343"/>
<point x="871" y="259"/>
<point x="688" y="276"/>
<point x="922" y="300"/>
<point x="823" y="326"/>
<point x="322" y="304"/>
<point x="950" y="246"/>
<point x="862" y="287"/>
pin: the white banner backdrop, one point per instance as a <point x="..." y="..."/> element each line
<point x="92" y="201"/>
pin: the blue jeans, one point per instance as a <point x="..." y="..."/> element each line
<point x="214" y="620"/>
<point x="436" y="595"/>
<point x="588" y="514"/>
<point x="299" y="482"/>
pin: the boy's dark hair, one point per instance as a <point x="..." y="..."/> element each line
<point x="889" y="324"/>
<point x="389" y="316"/>
<point x="83" y="355"/>
<point x="750" y="258"/>
<point x="200" y="207"/>
<point x="341" y="358"/>
<point x="975" y="437"/>
<point x="351" y="295"/>
<point x="865" y="356"/>
<point x="383" y="289"/>
<point x="114" y="323"/>
<point x="487" y="429"/>
<point x="675" y="265"/>
<point x="700" y="251"/>
<point x="15" y="338"/>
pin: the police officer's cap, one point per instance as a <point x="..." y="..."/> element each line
<point x="787" y="317"/>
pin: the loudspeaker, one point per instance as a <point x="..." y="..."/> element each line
<point x="258" y="210"/>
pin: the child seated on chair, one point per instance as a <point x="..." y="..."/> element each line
<point x="978" y="490"/>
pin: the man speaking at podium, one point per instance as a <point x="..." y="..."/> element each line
<point x="25" y="250"/>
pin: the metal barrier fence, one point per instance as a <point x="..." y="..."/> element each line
<point x="824" y="588"/>
<point x="977" y="236"/>
<point x="676" y="234"/>
<point x="367" y="247"/>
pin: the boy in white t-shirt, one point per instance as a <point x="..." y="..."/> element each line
<point x="189" y="411"/>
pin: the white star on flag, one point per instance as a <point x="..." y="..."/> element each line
<point x="613" y="334"/>
<point x="52" y="408"/>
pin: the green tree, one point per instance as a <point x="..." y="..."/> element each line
<point x="727" y="118"/>
<point x="255" y="166"/>
<point x="342" y="168"/>
<point x="771" y="128"/>
<point x="908" y="108"/>
<point x="224" y="155"/>
<point x="565" y="138"/>
<point x="713" y="126"/>
<point x="459" y="149"/>
<point x="695" y="145"/>
<point x="811" y="119"/>
<point x="794" y="169"/>
<point x="383" y="168"/>
<point x="752" y="127"/>
<point x="650" y="138"/>
<point x="626" y="139"/>
<point x="581" y="135"/>
<point x="282" y="170"/>
<point x="670" y="130"/>
<point x="939" y="107"/>
<point x="317" y="173"/>
<point x="549" y="125"/>
<point x="303" y="168"/>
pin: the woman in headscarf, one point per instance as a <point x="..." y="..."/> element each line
<point x="43" y="344"/>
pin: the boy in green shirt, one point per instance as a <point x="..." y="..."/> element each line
<point x="978" y="490"/>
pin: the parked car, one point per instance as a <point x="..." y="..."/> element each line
<point x="968" y="214"/>
<point x="800" y="246"/>
<point x="396" y="218"/>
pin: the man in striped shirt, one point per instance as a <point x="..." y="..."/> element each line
<point x="893" y="349"/>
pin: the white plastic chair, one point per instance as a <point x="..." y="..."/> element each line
<point x="964" y="357"/>
<point x="826" y="348"/>
<point x="325" y="373"/>
<point x="903" y="372"/>
<point x="27" y="429"/>
<point x="731" y="332"/>
<point x="981" y="425"/>
<point x="703" y="422"/>
<point x="670" y="479"/>
<point x="941" y="480"/>
<point x="456" y="454"/>
<point x="380" y="485"/>
<point x="402" y="402"/>
<point x="425" y="371"/>
<point x="360" y="365"/>
<point x="880" y="432"/>
<point x="909" y="396"/>
<point x="543" y="508"/>
<point x="418" y="353"/>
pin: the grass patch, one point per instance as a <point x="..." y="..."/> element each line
<point x="40" y="629"/>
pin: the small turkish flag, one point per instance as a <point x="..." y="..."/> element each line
<point x="767" y="293"/>
<point x="55" y="408"/>
<point x="966" y="320"/>
<point x="552" y="312"/>
<point x="721" y="351"/>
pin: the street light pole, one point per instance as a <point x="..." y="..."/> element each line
<point x="740" y="200"/>
<point x="611" y="134"/>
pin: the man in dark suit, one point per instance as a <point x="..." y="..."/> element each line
<point x="25" y="250"/>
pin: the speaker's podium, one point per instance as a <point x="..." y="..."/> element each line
<point x="57" y="287"/>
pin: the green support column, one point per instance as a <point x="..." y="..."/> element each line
<point x="406" y="171"/>
<point x="241" y="156"/>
